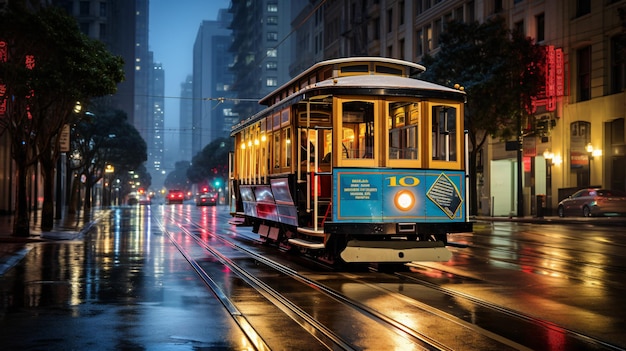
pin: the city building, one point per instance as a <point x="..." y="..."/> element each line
<point x="185" y="121"/>
<point x="262" y="44"/>
<point x="154" y="135"/>
<point x="583" y="112"/>
<point x="212" y="108"/>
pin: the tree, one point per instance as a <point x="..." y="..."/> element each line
<point x="212" y="162"/>
<point x="177" y="179"/>
<point x="101" y="139"/>
<point x="501" y="73"/>
<point x="49" y="66"/>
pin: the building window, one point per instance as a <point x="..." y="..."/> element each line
<point x="271" y="66"/>
<point x="518" y="27"/>
<point x="419" y="43"/>
<point x="271" y="82"/>
<point x="272" y="20"/>
<point x="429" y="38"/>
<point x="584" y="73"/>
<point x="389" y="21"/>
<point x="401" y="13"/>
<point x="583" y="7"/>
<point x="437" y="32"/>
<point x="273" y="7"/>
<point x="541" y="27"/>
<point x="103" y="31"/>
<point x="84" y="8"/>
<point x="497" y="6"/>
<point x="272" y="53"/>
<point x="618" y="64"/>
<point x="103" y="9"/>
<point x="376" y="28"/>
<point x="272" y="36"/>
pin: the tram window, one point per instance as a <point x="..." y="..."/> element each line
<point x="358" y="130"/>
<point x="403" y="118"/>
<point x="326" y="144"/>
<point x="444" y="133"/>
<point x="276" y="150"/>
<point x="287" y="147"/>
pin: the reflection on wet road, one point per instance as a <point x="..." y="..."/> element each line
<point x="130" y="284"/>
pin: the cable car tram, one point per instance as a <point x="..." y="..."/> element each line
<point x="354" y="161"/>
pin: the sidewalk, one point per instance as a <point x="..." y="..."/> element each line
<point x="601" y="221"/>
<point x="14" y="248"/>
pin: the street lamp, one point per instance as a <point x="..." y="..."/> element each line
<point x="591" y="153"/>
<point x="108" y="171"/>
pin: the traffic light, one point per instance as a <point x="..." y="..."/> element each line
<point x="217" y="183"/>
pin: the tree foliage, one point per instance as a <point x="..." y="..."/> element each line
<point x="501" y="72"/>
<point x="212" y="162"/>
<point x="49" y="66"/>
<point x="107" y="138"/>
<point x="177" y="179"/>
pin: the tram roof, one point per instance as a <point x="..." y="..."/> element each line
<point x="364" y="84"/>
<point x="408" y="69"/>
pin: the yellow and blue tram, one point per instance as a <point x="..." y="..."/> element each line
<point x="353" y="161"/>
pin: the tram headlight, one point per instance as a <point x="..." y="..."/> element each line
<point x="404" y="200"/>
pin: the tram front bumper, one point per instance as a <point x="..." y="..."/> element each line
<point x="395" y="251"/>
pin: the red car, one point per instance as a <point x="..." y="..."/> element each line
<point x="175" y="197"/>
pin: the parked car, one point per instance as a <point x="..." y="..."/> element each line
<point x="593" y="202"/>
<point x="206" y="199"/>
<point x="175" y="197"/>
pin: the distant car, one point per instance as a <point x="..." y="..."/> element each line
<point x="593" y="202"/>
<point x="175" y="197"/>
<point x="206" y="199"/>
<point x="144" y="199"/>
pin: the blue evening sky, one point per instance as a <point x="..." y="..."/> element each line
<point x="173" y="29"/>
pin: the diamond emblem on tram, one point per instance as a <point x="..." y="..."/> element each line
<point x="445" y="195"/>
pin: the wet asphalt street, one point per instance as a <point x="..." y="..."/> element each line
<point x="119" y="286"/>
<point x="118" y="282"/>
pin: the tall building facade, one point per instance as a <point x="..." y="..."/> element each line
<point x="123" y="26"/>
<point x="185" y="120"/>
<point x="262" y="44"/>
<point x="211" y="82"/>
<point x="156" y="124"/>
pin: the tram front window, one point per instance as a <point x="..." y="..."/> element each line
<point x="358" y="130"/>
<point x="444" y="133"/>
<point x="402" y="121"/>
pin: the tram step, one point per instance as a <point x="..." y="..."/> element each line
<point x="311" y="231"/>
<point x="305" y="243"/>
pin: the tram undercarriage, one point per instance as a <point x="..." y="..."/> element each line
<point x="342" y="247"/>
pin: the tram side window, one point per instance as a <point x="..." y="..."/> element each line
<point x="287" y="147"/>
<point x="403" y="119"/>
<point x="444" y="133"/>
<point x="358" y="130"/>
<point x="276" y="150"/>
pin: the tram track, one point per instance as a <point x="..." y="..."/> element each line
<point x="308" y="322"/>
<point x="332" y="285"/>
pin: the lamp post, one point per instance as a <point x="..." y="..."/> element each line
<point x="591" y="153"/>
<point x="548" y="156"/>
<point x="106" y="191"/>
